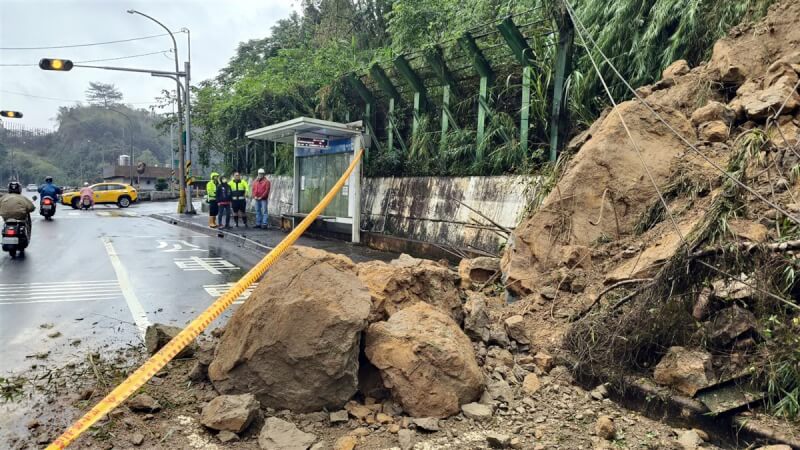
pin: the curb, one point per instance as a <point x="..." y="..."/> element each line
<point x="238" y="240"/>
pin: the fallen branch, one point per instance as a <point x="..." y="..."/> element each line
<point x="747" y="247"/>
<point x="605" y="291"/>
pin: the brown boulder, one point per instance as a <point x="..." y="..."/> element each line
<point x="476" y="317"/>
<point x="729" y="324"/>
<point x="395" y="286"/>
<point x="676" y="69"/>
<point x="477" y="270"/>
<point x="295" y="343"/>
<point x="748" y="230"/>
<point x="685" y="370"/>
<point x="425" y="360"/>
<point x="713" y="111"/>
<point x="714" y="131"/>
<point x="515" y="328"/>
<point x="606" y="163"/>
<point x="761" y="104"/>
<point x="230" y="412"/>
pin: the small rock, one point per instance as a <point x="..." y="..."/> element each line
<point x="677" y="68"/>
<point x="46" y="326"/>
<point x="690" y="440"/>
<point x="729" y="324"/>
<point x="157" y="336"/>
<point x="360" y="432"/>
<point x="226" y="436"/>
<point x="406" y="438"/>
<point x="32" y="424"/>
<point x="280" y="434"/>
<point x="54" y="334"/>
<point x="230" y="412"/>
<point x="515" y="328"/>
<point x="339" y="416"/>
<point x="393" y="428"/>
<point x="548" y="292"/>
<point x="476" y="411"/>
<point x="543" y="361"/>
<point x="531" y="384"/>
<point x="497" y="440"/>
<point x="137" y="439"/>
<point x="605" y="428"/>
<point x="685" y="370"/>
<point x="143" y="403"/>
<point x="426" y="423"/>
<point x="497" y="390"/>
<point x="345" y="443"/>
<point x="357" y="410"/>
<point x="516" y="443"/>
<point x="383" y="418"/>
<point x="498" y="335"/>
<point x="714" y="131"/>
<point x="599" y="393"/>
<point x="775" y="447"/>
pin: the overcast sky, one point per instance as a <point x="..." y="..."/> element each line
<point x="216" y="29"/>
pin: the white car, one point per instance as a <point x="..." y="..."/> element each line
<point x="32" y="188"/>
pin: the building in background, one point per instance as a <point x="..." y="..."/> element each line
<point x="142" y="182"/>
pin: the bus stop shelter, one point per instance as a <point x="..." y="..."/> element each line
<point x="322" y="152"/>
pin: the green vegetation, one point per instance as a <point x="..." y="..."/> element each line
<point x="298" y="71"/>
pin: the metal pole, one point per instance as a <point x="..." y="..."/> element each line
<point x="182" y="203"/>
<point x="187" y="93"/>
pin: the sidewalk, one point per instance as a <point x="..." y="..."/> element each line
<point x="265" y="240"/>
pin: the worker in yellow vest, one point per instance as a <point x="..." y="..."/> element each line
<point x="239" y="191"/>
<point x="211" y="195"/>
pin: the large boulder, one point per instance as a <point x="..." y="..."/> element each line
<point x="605" y="175"/>
<point x="714" y="131"/>
<point x="425" y="360"/>
<point x="685" y="370"/>
<point x="295" y="343"/>
<point x="713" y="110"/>
<point x="230" y="412"/>
<point x="729" y="324"/>
<point x="403" y="283"/>
<point x="760" y="104"/>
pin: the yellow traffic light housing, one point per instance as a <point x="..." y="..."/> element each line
<point x="55" y="64"/>
<point x="11" y="114"/>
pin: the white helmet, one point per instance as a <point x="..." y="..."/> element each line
<point x="85" y="183"/>
<point x="261" y="171"/>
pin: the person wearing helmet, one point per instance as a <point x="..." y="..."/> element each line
<point x="211" y="195"/>
<point x="16" y="206"/>
<point x="261" y="188"/>
<point x="239" y="190"/>
<point x="48" y="189"/>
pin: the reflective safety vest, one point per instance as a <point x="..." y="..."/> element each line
<point x="238" y="189"/>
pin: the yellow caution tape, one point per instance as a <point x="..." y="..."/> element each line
<point x="143" y="374"/>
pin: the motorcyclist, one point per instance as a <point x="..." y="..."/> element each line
<point x="48" y="189"/>
<point x="87" y="191"/>
<point x="16" y="206"/>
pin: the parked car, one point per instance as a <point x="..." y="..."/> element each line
<point x="105" y="194"/>
<point x="32" y="188"/>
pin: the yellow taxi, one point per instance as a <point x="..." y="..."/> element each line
<point x="104" y="193"/>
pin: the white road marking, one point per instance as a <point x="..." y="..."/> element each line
<point x="58" y="292"/>
<point x="212" y="265"/>
<point x="139" y="316"/>
<point x="178" y="246"/>
<point x="103" y="213"/>
<point x="217" y="290"/>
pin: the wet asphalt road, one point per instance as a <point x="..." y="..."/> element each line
<point x="93" y="280"/>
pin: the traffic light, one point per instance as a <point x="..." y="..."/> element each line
<point x="55" y="64"/>
<point x="11" y="114"/>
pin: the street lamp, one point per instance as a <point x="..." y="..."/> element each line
<point x="185" y="196"/>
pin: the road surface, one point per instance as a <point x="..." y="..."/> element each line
<point x="94" y="280"/>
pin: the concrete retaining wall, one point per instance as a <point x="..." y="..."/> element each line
<point x="424" y="209"/>
<point x="427" y="208"/>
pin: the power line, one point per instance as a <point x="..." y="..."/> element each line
<point x="95" y="60"/>
<point x="90" y="44"/>
<point x="67" y="99"/>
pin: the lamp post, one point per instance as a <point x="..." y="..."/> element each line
<point x="130" y="140"/>
<point x="185" y="200"/>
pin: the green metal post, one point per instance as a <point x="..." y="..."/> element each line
<point x="525" y="110"/>
<point x="389" y="125"/>
<point x="482" y="112"/>
<point x="445" y="117"/>
<point x="559" y="119"/>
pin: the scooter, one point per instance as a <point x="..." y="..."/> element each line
<point x="15" y="237"/>
<point x="48" y="207"/>
<point x="86" y="202"/>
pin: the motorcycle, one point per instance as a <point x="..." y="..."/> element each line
<point x="86" y="202"/>
<point x="48" y="207"/>
<point x="15" y="237"/>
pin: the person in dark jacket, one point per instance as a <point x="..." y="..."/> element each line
<point x="224" y="198"/>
